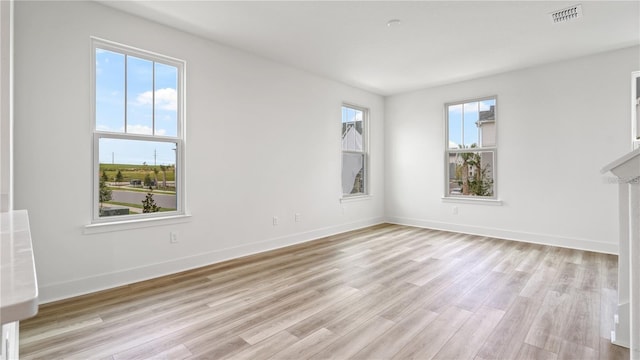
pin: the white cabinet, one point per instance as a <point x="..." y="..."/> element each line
<point x="18" y="285"/>
<point x="10" y="345"/>
<point x="627" y="328"/>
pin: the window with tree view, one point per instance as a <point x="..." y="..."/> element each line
<point x="471" y="148"/>
<point x="354" y="156"/>
<point x="138" y="133"/>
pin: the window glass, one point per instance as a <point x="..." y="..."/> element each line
<point x="352" y="173"/>
<point x="354" y="156"/>
<point x="455" y="126"/>
<point x="110" y="91"/>
<point x="470" y="124"/>
<point x="471" y="173"/>
<point x="166" y="101"/>
<point x="352" y="127"/>
<point x="128" y="168"/>
<point x="137" y="138"/>
<point x="471" y="148"/>
<point x="139" y="96"/>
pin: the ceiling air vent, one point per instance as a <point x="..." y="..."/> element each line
<point x="570" y="13"/>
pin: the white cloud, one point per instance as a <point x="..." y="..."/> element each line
<point x="166" y="99"/>
<point x="139" y="129"/>
<point x="132" y="129"/>
<point x="143" y="129"/>
<point x="145" y="98"/>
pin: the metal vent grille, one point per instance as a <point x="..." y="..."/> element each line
<point x="570" y="13"/>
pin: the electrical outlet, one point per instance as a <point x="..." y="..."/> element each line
<point x="454" y="210"/>
<point x="173" y="237"/>
<point x="275" y="221"/>
<point x="297" y="217"/>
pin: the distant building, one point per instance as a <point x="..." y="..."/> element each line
<point x="487" y="125"/>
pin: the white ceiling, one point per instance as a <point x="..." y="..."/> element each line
<point x="437" y="42"/>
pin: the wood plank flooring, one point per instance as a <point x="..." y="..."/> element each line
<point x="384" y="292"/>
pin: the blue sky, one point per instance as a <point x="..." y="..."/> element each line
<point x="140" y="108"/>
<point x="351" y="114"/>
<point x="465" y="120"/>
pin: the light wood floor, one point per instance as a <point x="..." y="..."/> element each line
<point x="386" y="292"/>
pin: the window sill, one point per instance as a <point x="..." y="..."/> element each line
<point x="353" y="198"/>
<point x="111" y="226"/>
<point x="464" y="200"/>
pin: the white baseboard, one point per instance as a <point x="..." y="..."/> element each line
<point x="76" y="287"/>
<point x="543" y="239"/>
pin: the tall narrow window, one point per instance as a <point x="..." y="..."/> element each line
<point x="354" y="150"/>
<point x="471" y="148"/>
<point x="138" y="133"/>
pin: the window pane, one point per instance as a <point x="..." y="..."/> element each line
<point x="352" y="129"/>
<point x="139" y="96"/>
<point x="455" y="126"/>
<point x="470" y="125"/>
<point x="166" y="103"/>
<point x="487" y="123"/>
<point x="128" y="168"/>
<point x="471" y="173"/>
<point x="353" y="173"/>
<point x="109" y="91"/>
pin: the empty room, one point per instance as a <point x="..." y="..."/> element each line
<point x="320" y="179"/>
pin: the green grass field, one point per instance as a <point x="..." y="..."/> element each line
<point x="137" y="206"/>
<point x="131" y="172"/>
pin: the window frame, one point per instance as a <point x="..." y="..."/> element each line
<point x="635" y="113"/>
<point x="364" y="152"/>
<point x="492" y="149"/>
<point x="179" y="139"/>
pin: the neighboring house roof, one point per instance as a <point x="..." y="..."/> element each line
<point x="488" y="114"/>
<point x="352" y="139"/>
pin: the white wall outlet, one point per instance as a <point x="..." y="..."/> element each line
<point x="297" y="217"/>
<point x="173" y="237"/>
<point x="275" y="221"/>
<point x="454" y="210"/>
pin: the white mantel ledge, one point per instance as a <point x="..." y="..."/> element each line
<point x="19" y="286"/>
<point x="626" y="167"/>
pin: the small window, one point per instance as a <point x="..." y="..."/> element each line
<point x="470" y="165"/>
<point x="354" y="153"/>
<point x="138" y="140"/>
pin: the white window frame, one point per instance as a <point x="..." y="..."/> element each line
<point x="365" y="152"/>
<point x="448" y="197"/>
<point x="635" y="114"/>
<point x="179" y="139"/>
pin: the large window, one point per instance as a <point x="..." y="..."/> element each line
<point x="138" y="131"/>
<point x="470" y="155"/>
<point x="354" y="153"/>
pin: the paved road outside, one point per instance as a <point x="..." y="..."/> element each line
<point x="133" y="197"/>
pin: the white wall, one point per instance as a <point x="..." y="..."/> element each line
<point x="558" y="125"/>
<point x="6" y="63"/>
<point x="262" y="139"/>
